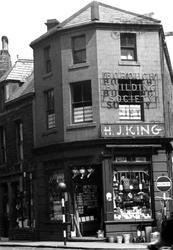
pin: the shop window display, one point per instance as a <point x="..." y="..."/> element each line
<point x="55" y="206"/>
<point x="131" y="189"/>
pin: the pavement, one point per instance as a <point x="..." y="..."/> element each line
<point x="74" y="245"/>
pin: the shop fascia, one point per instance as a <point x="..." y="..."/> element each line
<point x="117" y="130"/>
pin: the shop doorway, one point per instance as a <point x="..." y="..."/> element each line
<point x="87" y="200"/>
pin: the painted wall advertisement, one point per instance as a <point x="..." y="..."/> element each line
<point x="127" y="88"/>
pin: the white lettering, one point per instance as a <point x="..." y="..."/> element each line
<point x="155" y="130"/>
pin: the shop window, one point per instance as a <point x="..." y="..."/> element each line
<point x="3" y="157"/>
<point x="22" y="205"/>
<point x="86" y="199"/>
<point x="47" y="60"/>
<point x="50" y="106"/>
<point x="54" y="196"/>
<point x="128" y="46"/>
<point x="19" y="140"/>
<point x="81" y="102"/>
<point x="132" y="188"/>
<point x="130" y="99"/>
<point x="79" y="49"/>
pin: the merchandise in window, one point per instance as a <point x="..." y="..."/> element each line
<point x="22" y="204"/>
<point x="81" y="102"/>
<point x="131" y="189"/>
<point x="79" y="49"/>
<point x="130" y="93"/>
<point x="128" y="46"/>
<point x="54" y="196"/>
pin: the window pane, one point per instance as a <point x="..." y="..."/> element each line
<point x="80" y="56"/>
<point x="50" y="101"/>
<point x="79" y="49"/>
<point x="128" y="40"/>
<point x="81" y="102"/>
<point x="79" y="42"/>
<point x="131" y="112"/>
<point x="47" y="60"/>
<point x="131" y="192"/>
<point x="127" y="54"/>
<point x="128" y="46"/>
<point x="87" y="92"/>
<point x="50" y="108"/>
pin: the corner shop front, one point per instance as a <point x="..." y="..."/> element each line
<point x="123" y="182"/>
<point x="110" y="183"/>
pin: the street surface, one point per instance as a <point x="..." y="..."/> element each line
<point x="51" y="245"/>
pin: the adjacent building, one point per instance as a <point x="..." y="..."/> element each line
<point x="16" y="151"/>
<point x="102" y="122"/>
<point x="5" y="59"/>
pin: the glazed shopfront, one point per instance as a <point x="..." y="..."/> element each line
<point x="130" y="169"/>
<point x="115" y="194"/>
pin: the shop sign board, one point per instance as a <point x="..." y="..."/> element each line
<point x="133" y="130"/>
<point x="163" y="183"/>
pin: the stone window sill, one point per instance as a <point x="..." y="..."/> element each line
<point x="78" y="66"/>
<point x="49" y="132"/>
<point x="81" y="126"/>
<point x="128" y="63"/>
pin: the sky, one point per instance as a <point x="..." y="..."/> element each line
<point x="22" y="21"/>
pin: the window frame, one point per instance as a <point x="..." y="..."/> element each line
<point x="47" y="60"/>
<point x="132" y="164"/>
<point x="85" y="105"/>
<point x="128" y="47"/>
<point x="129" y="93"/>
<point x="19" y="140"/>
<point x="50" y="108"/>
<point x="81" y="51"/>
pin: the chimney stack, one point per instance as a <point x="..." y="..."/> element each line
<point x="4" y="43"/>
<point x="51" y="23"/>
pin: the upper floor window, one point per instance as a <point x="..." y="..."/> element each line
<point x="128" y="46"/>
<point x="81" y="102"/>
<point x="3" y="157"/>
<point x="19" y="140"/>
<point x="131" y="101"/>
<point x="47" y="60"/>
<point x="50" y="108"/>
<point x="79" y="49"/>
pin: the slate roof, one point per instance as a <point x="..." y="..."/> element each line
<point x="19" y="71"/>
<point x="26" y="88"/>
<point x="106" y="14"/>
<point x="97" y="12"/>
